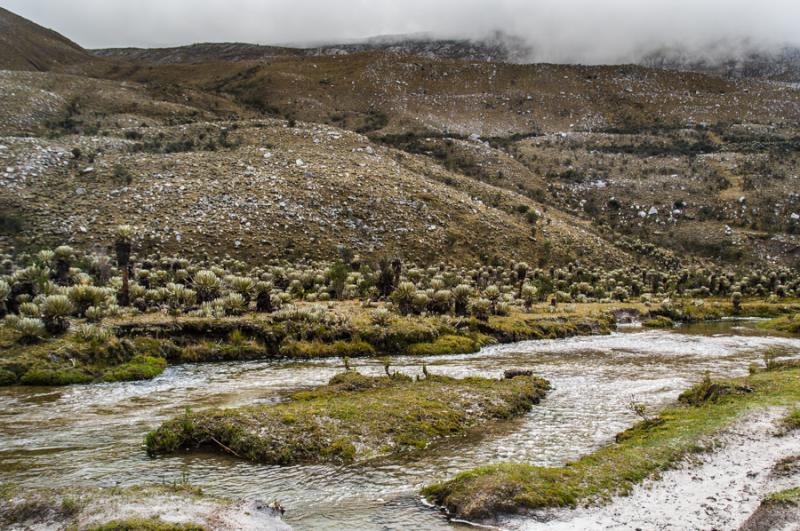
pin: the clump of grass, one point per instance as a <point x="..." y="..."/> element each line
<point x="792" y="420"/>
<point x="660" y="321"/>
<point x="146" y="524"/>
<point x="448" y="344"/>
<point x="708" y="391"/>
<point x="140" y="367"/>
<point x="319" y="349"/>
<point x="789" y="324"/>
<point x="789" y="496"/>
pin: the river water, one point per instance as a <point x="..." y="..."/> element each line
<point x="92" y="435"/>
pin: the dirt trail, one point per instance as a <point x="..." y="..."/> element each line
<point x="718" y="490"/>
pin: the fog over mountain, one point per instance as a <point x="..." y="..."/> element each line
<point x="584" y="31"/>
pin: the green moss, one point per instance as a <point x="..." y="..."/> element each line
<point x="521" y="327"/>
<point x="140" y="367"/>
<point x="792" y="420"/>
<point x="660" y="321"/>
<point x="645" y="449"/>
<point x="354" y="417"/>
<point x="789" y="496"/>
<point x="206" y="351"/>
<point x="712" y="309"/>
<point x="55" y="376"/>
<point x="318" y="349"/>
<point x="145" y="524"/>
<point x="789" y="324"/>
<point x="448" y="344"/>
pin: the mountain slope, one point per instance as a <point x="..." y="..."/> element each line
<point x="252" y="189"/>
<point x="433" y="159"/>
<point x="25" y="45"/>
<point x="497" y="47"/>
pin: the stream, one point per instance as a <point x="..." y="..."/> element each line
<point x="92" y="435"/>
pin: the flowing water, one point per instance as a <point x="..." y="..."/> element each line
<point x="92" y="435"/>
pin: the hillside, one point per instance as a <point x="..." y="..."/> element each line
<point x="434" y="157"/>
<point x="28" y="46"/>
<point x="497" y="47"/>
<point x="734" y="62"/>
<point x="387" y="93"/>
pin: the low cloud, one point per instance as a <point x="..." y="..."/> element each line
<point x="587" y="31"/>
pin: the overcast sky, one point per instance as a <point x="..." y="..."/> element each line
<point x="559" y="30"/>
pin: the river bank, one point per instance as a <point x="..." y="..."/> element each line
<point x="140" y="347"/>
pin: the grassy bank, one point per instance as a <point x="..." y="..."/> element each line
<point x="789" y="324"/>
<point x="648" y="447"/>
<point x="140" y="346"/>
<point x="79" y="358"/>
<point x="354" y="417"/>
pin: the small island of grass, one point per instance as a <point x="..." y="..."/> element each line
<point x="352" y="418"/>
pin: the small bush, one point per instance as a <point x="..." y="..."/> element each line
<point x="7" y="377"/>
<point x="138" y="368"/>
<point x="30" y="329"/>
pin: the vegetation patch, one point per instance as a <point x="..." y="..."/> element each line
<point x="80" y="359"/>
<point x="352" y="418"/>
<point x="448" y="344"/>
<point x="139" y="508"/>
<point x="789" y="324"/>
<point x="145" y="524"/>
<point x="318" y="349"/>
<point x="788" y="496"/>
<point x="792" y="420"/>
<point x="660" y="321"/>
<point x="139" y="368"/>
<point x="647" y="448"/>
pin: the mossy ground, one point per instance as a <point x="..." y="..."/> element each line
<point x="613" y="470"/>
<point x="790" y="496"/>
<point x="792" y="420"/>
<point x="449" y="344"/>
<point x="660" y="321"/>
<point x="145" y="524"/>
<point x="68" y="360"/>
<point x="789" y="324"/>
<point x="354" y="417"/>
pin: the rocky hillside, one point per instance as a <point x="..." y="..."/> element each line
<point x="255" y="151"/>
<point x="28" y="46"/>
<point x="497" y="47"/>
<point x="734" y="62"/>
<point x="384" y="93"/>
<point x="261" y="188"/>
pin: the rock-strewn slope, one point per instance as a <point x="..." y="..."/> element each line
<point x="256" y="189"/>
